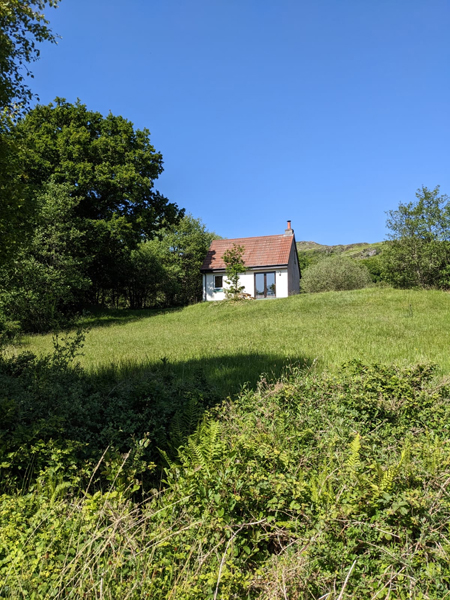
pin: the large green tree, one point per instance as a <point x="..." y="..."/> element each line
<point x="418" y="250"/>
<point x="110" y="167"/>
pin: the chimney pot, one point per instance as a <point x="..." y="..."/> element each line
<point x="289" y="231"/>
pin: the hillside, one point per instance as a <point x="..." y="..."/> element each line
<point x="137" y="477"/>
<point x="235" y="343"/>
<point x="359" y="250"/>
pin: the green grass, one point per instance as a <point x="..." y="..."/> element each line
<point x="236" y="342"/>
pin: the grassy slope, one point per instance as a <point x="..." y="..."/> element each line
<point x="234" y="343"/>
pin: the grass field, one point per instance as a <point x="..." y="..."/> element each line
<point x="235" y="342"/>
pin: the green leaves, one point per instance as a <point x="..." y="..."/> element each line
<point x="235" y="266"/>
<point x="280" y="493"/>
<point x="22" y="27"/>
<point x="48" y="277"/>
<point x="418" y="252"/>
<point x="335" y="274"/>
<point x="107" y="164"/>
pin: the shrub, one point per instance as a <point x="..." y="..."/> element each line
<point x="320" y="486"/>
<point x="54" y="415"/>
<point x="374" y="265"/>
<point x="335" y="274"/>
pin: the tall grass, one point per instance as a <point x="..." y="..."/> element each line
<point x="234" y="342"/>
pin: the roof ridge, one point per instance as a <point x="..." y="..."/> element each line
<point x="253" y="237"/>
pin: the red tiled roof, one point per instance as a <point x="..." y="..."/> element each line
<point x="265" y="251"/>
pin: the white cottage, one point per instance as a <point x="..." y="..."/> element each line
<point x="272" y="265"/>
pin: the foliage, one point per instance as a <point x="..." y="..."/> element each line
<point x="146" y="278"/>
<point x="318" y="486"/>
<point x="418" y="252"/>
<point x="46" y="280"/>
<point x="374" y="265"/>
<point x="185" y="246"/>
<point x="428" y="218"/>
<point x="165" y="271"/>
<point x="9" y="330"/>
<point x="16" y="209"/>
<point x="110" y="168"/>
<point x="22" y="27"/>
<point x="234" y="267"/>
<point x="108" y="164"/>
<point x="335" y="274"/>
<point x="54" y="416"/>
<point x="411" y="262"/>
<point x="369" y="255"/>
<point x="305" y="260"/>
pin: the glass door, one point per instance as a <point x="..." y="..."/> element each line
<point x="265" y="286"/>
<point x="270" y="285"/>
<point x="260" y="288"/>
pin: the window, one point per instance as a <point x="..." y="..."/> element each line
<point x="218" y="282"/>
<point x="265" y="285"/>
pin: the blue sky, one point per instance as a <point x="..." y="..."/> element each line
<point x="325" y="112"/>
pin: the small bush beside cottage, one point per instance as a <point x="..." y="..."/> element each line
<point x="334" y="275"/>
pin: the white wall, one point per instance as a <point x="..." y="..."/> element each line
<point x="248" y="281"/>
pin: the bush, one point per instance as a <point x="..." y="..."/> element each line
<point x="54" y="415"/>
<point x="334" y="275"/>
<point x="374" y="265"/>
<point x="318" y="485"/>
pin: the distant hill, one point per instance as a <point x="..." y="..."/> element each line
<point x="314" y="251"/>
<point x="310" y="253"/>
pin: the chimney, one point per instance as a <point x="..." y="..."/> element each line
<point x="289" y="231"/>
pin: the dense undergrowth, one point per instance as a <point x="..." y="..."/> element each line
<point x="54" y="417"/>
<point x="318" y="486"/>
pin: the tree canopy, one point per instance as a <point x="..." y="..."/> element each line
<point x="107" y="163"/>
<point x="418" y="250"/>
<point x="427" y="219"/>
<point x="110" y="168"/>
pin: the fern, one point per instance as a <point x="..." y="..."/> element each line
<point x="385" y="478"/>
<point x="204" y="447"/>
<point x="185" y="422"/>
<point x="58" y="491"/>
<point x="353" y="460"/>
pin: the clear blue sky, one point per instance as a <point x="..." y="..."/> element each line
<point x="325" y="112"/>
